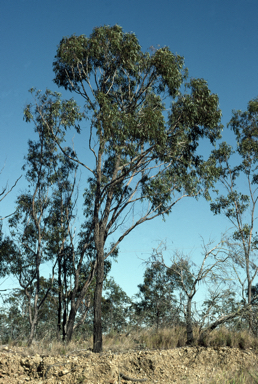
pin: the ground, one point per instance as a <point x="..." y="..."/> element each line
<point x="179" y="365"/>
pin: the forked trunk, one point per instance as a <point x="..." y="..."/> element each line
<point x="70" y="324"/>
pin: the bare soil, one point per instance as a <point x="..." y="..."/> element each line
<point x="180" y="365"/>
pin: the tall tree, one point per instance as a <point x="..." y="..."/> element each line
<point x="31" y="206"/>
<point x="29" y="224"/>
<point x="239" y="201"/>
<point x="141" y="152"/>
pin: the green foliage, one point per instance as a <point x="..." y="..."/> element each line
<point x="142" y="153"/>
<point x="245" y="127"/>
<point x="7" y="253"/>
<point x="50" y="110"/>
<point x="224" y="304"/>
<point x="180" y="271"/>
<point x="15" y="325"/>
<point x="235" y="204"/>
<point x="128" y="111"/>
<point x="115" y="307"/>
<point x="155" y="302"/>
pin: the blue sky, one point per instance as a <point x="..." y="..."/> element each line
<point x="219" y="42"/>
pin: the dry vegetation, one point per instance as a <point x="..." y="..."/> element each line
<point x="227" y="357"/>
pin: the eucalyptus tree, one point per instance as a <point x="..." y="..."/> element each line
<point x="115" y="307"/>
<point x="83" y="264"/>
<point x="141" y="152"/>
<point x="59" y="226"/>
<point x="156" y="302"/>
<point x="14" y="324"/>
<point x="239" y="201"/>
<point x="30" y="223"/>
<point x="16" y="307"/>
<point x="186" y="275"/>
<point x="218" y="303"/>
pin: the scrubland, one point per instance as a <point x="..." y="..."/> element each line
<point x="235" y="355"/>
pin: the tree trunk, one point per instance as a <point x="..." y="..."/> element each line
<point x="65" y="321"/>
<point x="97" y="326"/>
<point x="250" y="314"/>
<point x="70" y="324"/>
<point x="33" y="318"/>
<point x="32" y="329"/>
<point x="157" y="319"/>
<point x="189" y="325"/>
<point x="65" y="304"/>
<point x="59" y="310"/>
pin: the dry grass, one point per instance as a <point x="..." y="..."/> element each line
<point x="246" y="376"/>
<point x="236" y="339"/>
<point x="165" y="338"/>
<point x="52" y="348"/>
<point x="162" y="339"/>
<point x="176" y="337"/>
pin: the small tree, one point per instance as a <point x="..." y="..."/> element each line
<point x="115" y="304"/>
<point x="156" y="303"/>
<point x="185" y="278"/>
<point x="219" y="302"/>
<point x="17" y="311"/>
<point x="238" y="201"/>
<point x="61" y="213"/>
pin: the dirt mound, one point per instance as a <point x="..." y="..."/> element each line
<point x="191" y="364"/>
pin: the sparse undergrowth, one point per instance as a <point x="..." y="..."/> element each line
<point x="243" y="376"/>
<point x="163" y="339"/>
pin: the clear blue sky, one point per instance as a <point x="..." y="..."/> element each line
<point x="218" y="39"/>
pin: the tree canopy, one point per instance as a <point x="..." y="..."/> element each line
<point x="142" y="152"/>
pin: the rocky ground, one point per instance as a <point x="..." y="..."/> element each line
<point x="180" y="365"/>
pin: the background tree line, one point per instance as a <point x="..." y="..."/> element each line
<point x="141" y="155"/>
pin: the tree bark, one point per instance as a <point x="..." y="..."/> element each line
<point x="75" y="302"/>
<point x="32" y="329"/>
<point x="97" y="327"/>
<point x="189" y="325"/>
<point x="70" y="324"/>
<point x="59" y="310"/>
<point x="250" y="314"/>
<point x="65" y="302"/>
